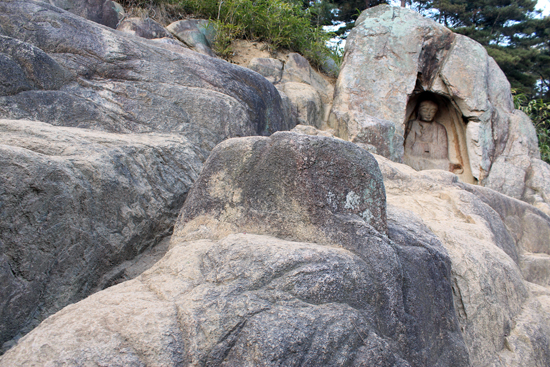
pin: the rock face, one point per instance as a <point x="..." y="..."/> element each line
<point x="146" y="28"/>
<point x="199" y="34"/>
<point x="411" y="59"/>
<point x="115" y="82"/>
<point x="357" y="297"/>
<point x="293" y="249"/>
<point x="309" y="94"/>
<point x="75" y="203"/>
<point x="104" y="12"/>
<point x="288" y="185"/>
<point x="499" y="249"/>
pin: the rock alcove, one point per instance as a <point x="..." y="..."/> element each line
<point x="453" y="147"/>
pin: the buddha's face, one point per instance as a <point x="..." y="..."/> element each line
<point x="427" y="111"/>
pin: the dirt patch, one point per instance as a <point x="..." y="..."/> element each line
<point x="244" y="51"/>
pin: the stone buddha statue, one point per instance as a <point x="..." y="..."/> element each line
<point x="426" y="145"/>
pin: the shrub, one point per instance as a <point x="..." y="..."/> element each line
<point x="279" y="23"/>
<point x="539" y="112"/>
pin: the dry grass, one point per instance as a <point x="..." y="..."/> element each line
<point x="160" y="12"/>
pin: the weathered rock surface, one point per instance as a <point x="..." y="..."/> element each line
<point x="121" y="83"/>
<point x="519" y="172"/>
<point x="537" y="185"/>
<point x="198" y="34"/>
<point x="74" y="203"/>
<point x="271" y="69"/>
<point x="307" y="102"/>
<point x="411" y="58"/>
<point x="310" y="130"/>
<point x="171" y="44"/>
<point x="146" y="28"/>
<point x="288" y="185"/>
<point x="298" y="70"/>
<point x="28" y="68"/>
<point x="285" y="252"/>
<point x="356" y="297"/>
<point x="309" y="93"/>
<point x="499" y="248"/>
<point x="104" y="12"/>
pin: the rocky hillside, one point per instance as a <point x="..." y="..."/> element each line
<point x="160" y="206"/>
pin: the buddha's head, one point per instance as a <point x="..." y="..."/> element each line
<point x="427" y="111"/>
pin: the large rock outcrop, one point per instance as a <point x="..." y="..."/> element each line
<point x="289" y="250"/>
<point x="500" y="252"/>
<point x="108" y="80"/>
<point x="76" y="203"/>
<point x="394" y="59"/>
<point x="143" y="27"/>
<point x="500" y="255"/>
<point x="353" y="298"/>
<point x="199" y="34"/>
<point x="308" y="94"/>
<point x="106" y="12"/>
<point x="290" y="184"/>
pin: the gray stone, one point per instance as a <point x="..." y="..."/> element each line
<point x="389" y="40"/>
<point x="410" y="59"/>
<point x="297" y="69"/>
<point x="207" y="301"/>
<point x="146" y="28"/>
<point x="104" y="12"/>
<point x="308" y="92"/>
<point x="329" y="66"/>
<point x="536" y="268"/>
<point x="497" y="246"/>
<point x="32" y="68"/>
<point x="307" y="102"/>
<point x="271" y="69"/>
<point x="171" y="44"/>
<point x="310" y="130"/>
<point x="527" y="343"/>
<point x="509" y="171"/>
<point x="12" y="79"/>
<point x="537" y="185"/>
<point x="290" y="110"/>
<point x="73" y="72"/>
<point x="198" y="34"/>
<point x="73" y="204"/>
<point x="122" y="83"/>
<point x="353" y="298"/>
<point x="528" y="226"/>
<point x="288" y="185"/>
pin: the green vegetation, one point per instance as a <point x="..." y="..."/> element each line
<point x="280" y="23"/>
<point x="539" y="112"/>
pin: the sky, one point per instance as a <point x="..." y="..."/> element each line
<point x="544" y="5"/>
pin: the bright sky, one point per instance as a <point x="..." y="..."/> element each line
<point x="544" y="5"/>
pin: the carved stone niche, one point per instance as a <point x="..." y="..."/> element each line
<point x="436" y="141"/>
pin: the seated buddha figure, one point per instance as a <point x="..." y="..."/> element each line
<point x="426" y="145"/>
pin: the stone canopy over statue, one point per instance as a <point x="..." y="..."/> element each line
<point x="426" y="144"/>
